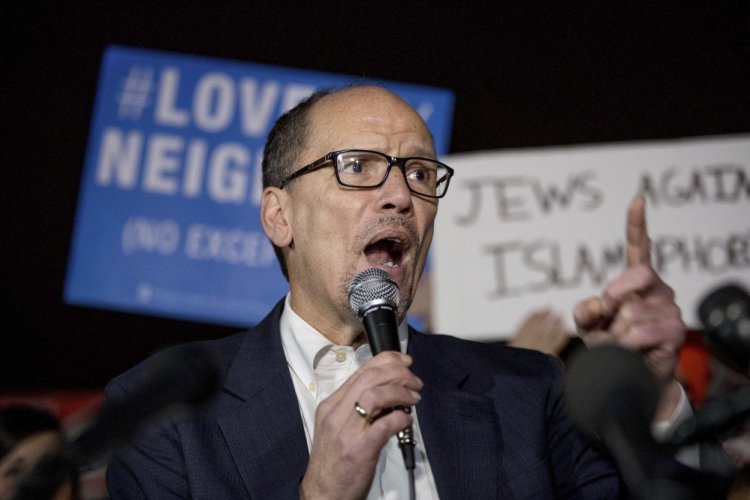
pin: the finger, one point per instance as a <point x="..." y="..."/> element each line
<point x="643" y="325"/>
<point x="597" y="312"/>
<point x="340" y="412"/>
<point x="536" y="317"/>
<point x="553" y="323"/>
<point x="382" y="364"/>
<point x="379" y="431"/>
<point x="638" y="243"/>
<point x="665" y="334"/>
<point x="390" y="357"/>
<point x="382" y="399"/>
<point x="589" y="313"/>
<point x="596" y="337"/>
<point x="556" y="346"/>
<point x="624" y="321"/>
<point x="341" y="402"/>
<point x="371" y="378"/>
<point x="530" y="325"/>
<point x="385" y="369"/>
<point x="648" y="312"/>
<point x="552" y="337"/>
<point x="635" y="284"/>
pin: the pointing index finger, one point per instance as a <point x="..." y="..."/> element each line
<point x="638" y="242"/>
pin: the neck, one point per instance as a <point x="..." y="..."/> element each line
<point x="341" y="329"/>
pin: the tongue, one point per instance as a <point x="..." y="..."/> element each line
<point x="381" y="253"/>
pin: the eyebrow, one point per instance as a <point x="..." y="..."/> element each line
<point x="425" y="150"/>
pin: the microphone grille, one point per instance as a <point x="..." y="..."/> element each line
<point x="372" y="284"/>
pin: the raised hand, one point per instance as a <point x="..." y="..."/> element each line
<point x="637" y="310"/>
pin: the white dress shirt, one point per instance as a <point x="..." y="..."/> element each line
<point x="318" y="369"/>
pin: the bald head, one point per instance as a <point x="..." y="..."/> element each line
<point x="291" y="134"/>
<point x="362" y="110"/>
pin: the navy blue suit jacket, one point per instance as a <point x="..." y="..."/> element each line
<point x="491" y="418"/>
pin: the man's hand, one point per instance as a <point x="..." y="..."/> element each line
<point x="637" y="310"/>
<point x="346" y="445"/>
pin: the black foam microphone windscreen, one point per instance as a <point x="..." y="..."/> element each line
<point x="609" y="384"/>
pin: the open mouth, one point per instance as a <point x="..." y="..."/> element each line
<point x="385" y="252"/>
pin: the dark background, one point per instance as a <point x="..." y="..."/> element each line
<point x="524" y="74"/>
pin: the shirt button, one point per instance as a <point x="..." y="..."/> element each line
<point x="311" y="387"/>
<point x="340" y="356"/>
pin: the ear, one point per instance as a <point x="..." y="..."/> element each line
<point x="275" y="213"/>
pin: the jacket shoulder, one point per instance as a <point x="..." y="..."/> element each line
<point x="475" y="356"/>
<point x="214" y="354"/>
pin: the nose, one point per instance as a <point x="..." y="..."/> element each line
<point x="394" y="194"/>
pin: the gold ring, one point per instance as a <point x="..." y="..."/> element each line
<point x="360" y="411"/>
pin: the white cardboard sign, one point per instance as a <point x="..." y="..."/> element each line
<point x="524" y="229"/>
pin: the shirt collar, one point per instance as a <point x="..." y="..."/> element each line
<point x="304" y="345"/>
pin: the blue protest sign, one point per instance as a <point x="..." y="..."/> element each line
<point x="168" y="220"/>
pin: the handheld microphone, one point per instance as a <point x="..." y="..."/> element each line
<point x="611" y="394"/>
<point x="374" y="297"/>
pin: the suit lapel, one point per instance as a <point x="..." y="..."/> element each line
<point x="459" y="428"/>
<point x="265" y="433"/>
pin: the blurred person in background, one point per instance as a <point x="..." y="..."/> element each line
<point x="30" y="466"/>
<point x="542" y="330"/>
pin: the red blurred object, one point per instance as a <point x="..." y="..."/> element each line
<point x="694" y="368"/>
<point x="71" y="407"/>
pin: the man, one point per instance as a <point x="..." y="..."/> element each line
<point x="301" y="411"/>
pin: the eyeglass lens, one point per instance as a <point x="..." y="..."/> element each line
<point x="363" y="169"/>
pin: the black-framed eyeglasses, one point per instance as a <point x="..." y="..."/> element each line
<point x="363" y="169"/>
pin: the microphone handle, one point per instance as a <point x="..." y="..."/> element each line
<point x="381" y="329"/>
<point x="382" y="333"/>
